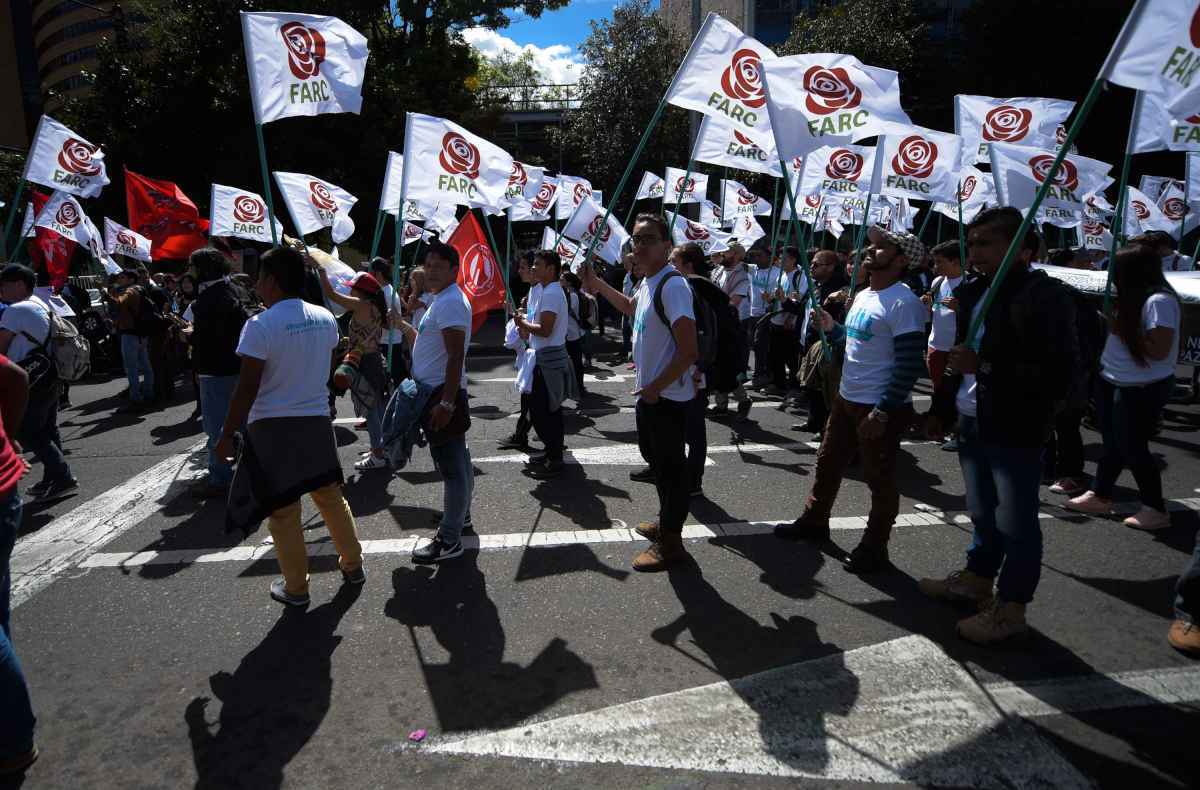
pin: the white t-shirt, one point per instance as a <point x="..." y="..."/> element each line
<point x="294" y="339"/>
<point x="794" y="286"/>
<point x="449" y="310"/>
<point x="738" y="279"/>
<point x="425" y="300"/>
<point x="1118" y="366"/>
<point x="31" y="315"/>
<point x="574" y="332"/>
<point x="551" y="300"/>
<point x="763" y="280"/>
<point x="653" y="343"/>
<point x="945" y="324"/>
<point x="875" y="319"/>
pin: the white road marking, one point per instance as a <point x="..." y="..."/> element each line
<point x="588" y="378"/>
<point x="758" y="404"/>
<point x="630" y="455"/>
<point x="41" y="557"/>
<point x="926" y="515"/>
<point x="899" y="711"/>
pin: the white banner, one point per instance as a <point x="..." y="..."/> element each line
<point x="64" y="161"/>
<point x="920" y="164"/>
<point x="982" y="120"/>
<point x="710" y="215"/>
<point x="747" y="230"/>
<point x="1143" y="214"/>
<point x="303" y="64"/>
<point x="1021" y="171"/>
<point x="1155" y="186"/>
<point x="738" y="201"/>
<point x="572" y="190"/>
<point x="1158" y="131"/>
<point x="537" y="209"/>
<point x="651" y="188"/>
<point x="693" y="190"/>
<point x="120" y="240"/>
<point x="1094" y="235"/>
<point x="1059" y="217"/>
<point x="444" y="163"/>
<point x="315" y="204"/>
<point x="586" y="224"/>
<point x="838" y="171"/>
<point x="240" y="213"/>
<point x="442" y="219"/>
<point x="1158" y="51"/>
<point x="523" y="181"/>
<point x="1174" y="207"/>
<point x="683" y="231"/>
<point x="720" y="143"/>
<point x="830" y="99"/>
<point x="978" y="192"/>
<point x="719" y="77"/>
<point x="63" y="215"/>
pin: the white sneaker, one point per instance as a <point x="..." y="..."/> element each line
<point x="1148" y="519"/>
<point x="370" y="461"/>
<point x="1089" y="502"/>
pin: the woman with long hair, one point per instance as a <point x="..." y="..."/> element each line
<point x="1137" y="374"/>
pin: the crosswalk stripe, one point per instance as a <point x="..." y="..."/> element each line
<point x="630" y="455"/>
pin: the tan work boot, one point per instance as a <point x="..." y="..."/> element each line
<point x="648" y="530"/>
<point x="1185" y="637"/>
<point x="996" y="621"/>
<point x="960" y="586"/>
<point x="662" y="554"/>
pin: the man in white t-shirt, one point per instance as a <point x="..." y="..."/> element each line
<point x="282" y="399"/>
<point x="664" y="351"/>
<point x="24" y="327"/>
<point x="884" y="337"/>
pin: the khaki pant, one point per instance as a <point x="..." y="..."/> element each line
<point x="290" y="550"/>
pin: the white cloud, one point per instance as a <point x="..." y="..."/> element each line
<point x="558" y="64"/>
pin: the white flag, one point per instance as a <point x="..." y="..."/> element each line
<point x="120" y="240"/>
<point x="683" y="231"/>
<point x="567" y="250"/>
<point x="1156" y="130"/>
<point x="1095" y="235"/>
<point x="1097" y="207"/>
<point x="63" y="215"/>
<point x="720" y="143"/>
<point x="1174" y="207"/>
<point x="809" y="207"/>
<point x="829" y="99"/>
<point x="1158" y="51"/>
<point x="95" y="245"/>
<point x="573" y="190"/>
<point x="684" y="188"/>
<point x="64" y="161"/>
<point x="1059" y="217"/>
<point x="442" y="219"/>
<point x="837" y="170"/>
<point x="413" y="232"/>
<point x="586" y="224"/>
<point x="303" y="64"/>
<point x="920" y="163"/>
<point x="240" y="213"/>
<point x="523" y="182"/>
<point x="747" y="230"/>
<point x="738" y="201"/>
<point x="537" y="209"/>
<point x="1022" y="170"/>
<point x="315" y="204"/>
<point x="651" y="188"/>
<point x="978" y="193"/>
<point x="720" y="77"/>
<point x="1143" y="214"/>
<point x="710" y="214"/>
<point x="1155" y="186"/>
<point x="444" y="163"/>
<point x="982" y="120"/>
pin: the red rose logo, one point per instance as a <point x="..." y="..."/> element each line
<point x="321" y="197"/>
<point x="459" y="156"/>
<point x="915" y="158"/>
<point x="746" y="197"/>
<point x="797" y="163"/>
<point x="1067" y="176"/>
<point x="478" y="272"/>
<point x="248" y="209"/>
<point x="694" y="232"/>
<point x="541" y="201"/>
<point x="305" y="48"/>
<point x="1140" y="210"/>
<point x="844" y="164"/>
<point x="581" y="192"/>
<point x="518" y="177"/>
<point x="411" y="231"/>
<point x="741" y="138"/>
<point x="594" y="229"/>
<point x="67" y="215"/>
<point x="564" y="251"/>
<point x="1060" y="134"/>
<point x="813" y="201"/>
<point x="830" y="90"/>
<point x="1192" y="119"/>
<point x="125" y="238"/>
<point x="741" y="81"/>
<point x="685" y="186"/>
<point x="1006" y="124"/>
<point x="967" y="188"/>
<point x="1174" y="208"/>
<point x="76" y="157"/>
<point x="1194" y="30"/>
<point x="1092" y="228"/>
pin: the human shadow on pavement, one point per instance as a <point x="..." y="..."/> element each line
<point x="272" y="704"/>
<point x="476" y="688"/>
<point x="539" y="562"/>
<point x="583" y="502"/>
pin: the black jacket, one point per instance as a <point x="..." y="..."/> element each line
<point x="1028" y="359"/>
<point x="218" y="315"/>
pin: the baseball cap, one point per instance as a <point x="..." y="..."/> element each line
<point x="912" y="247"/>
<point x="365" y="282"/>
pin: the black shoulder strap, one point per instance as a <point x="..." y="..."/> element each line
<point x="659" y="309"/>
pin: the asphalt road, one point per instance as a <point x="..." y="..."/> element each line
<point x="156" y="658"/>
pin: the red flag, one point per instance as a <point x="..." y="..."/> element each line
<point x="479" y="275"/>
<point x="162" y="213"/>
<point x="49" y="250"/>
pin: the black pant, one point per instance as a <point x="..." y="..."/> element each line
<point x="575" y="352"/>
<point x="761" y="342"/>
<point x="523" y="419"/>
<point x="1064" y="449"/>
<point x="399" y="370"/>
<point x="785" y="351"/>
<point x="662" y="429"/>
<point x="697" y="441"/>
<point x="548" y="424"/>
<point x="1127" y="417"/>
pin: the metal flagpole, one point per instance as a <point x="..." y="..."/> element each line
<point x="262" y="160"/>
<point x="929" y="212"/>
<point x="962" y="237"/>
<point x="775" y="212"/>
<point x="787" y="186"/>
<point x="379" y="220"/>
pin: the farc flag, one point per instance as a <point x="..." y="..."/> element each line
<point x="537" y="208"/>
<point x="808" y="207"/>
<point x="314" y="204"/>
<point x="982" y="120"/>
<point x="683" y="231"/>
<point x="573" y="190"/>
<point x="120" y="240"/>
<point x="976" y="191"/>
<point x="586" y="225"/>
<point x="1143" y="214"/>
<point x="240" y="213"/>
<point x="1095" y="235"/>
<point x="64" y="161"/>
<point x="719" y="142"/>
<point x="1020" y="171"/>
<point x="414" y="232"/>
<point x="684" y="188"/>
<point x="651" y="188"/>
<point x="444" y="163"/>
<point x="1175" y="208"/>
<point x="303" y="64"/>
<point x="837" y="171"/>
<point x="920" y="163"/>
<point x="1156" y="130"/>
<point x="738" y="201"/>
<point x="747" y="230"/>
<point x="523" y="182"/>
<point x="710" y="214"/>
<point x="567" y="250"/>
<point x="58" y="229"/>
<point x="1158" y="51"/>
<point x="720" y="77"/>
<point x="479" y="276"/>
<point x="829" y="99"/>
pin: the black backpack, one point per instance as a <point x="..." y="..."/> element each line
<point x="716" y="331"/>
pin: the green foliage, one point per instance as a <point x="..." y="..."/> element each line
<point x="884" y="33"/>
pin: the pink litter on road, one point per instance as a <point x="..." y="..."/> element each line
<point x="416" y="736"/>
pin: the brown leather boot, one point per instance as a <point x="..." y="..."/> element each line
<point x="648" y="530"/>
<point x="665" y="553"/>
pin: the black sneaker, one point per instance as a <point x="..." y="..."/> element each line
<point x="545" y="471"/>
<point x="355" y="577"/>
<point x="435" y="551"/>
<point x="868" y="559"/>
<point x="35" y="490"/>
<point x="804" y="529"/>
<point x="279" y="593"/>
<point x="644" y="475"/>
<point x="744" y="409"/>
<point x="513" y="442"/>
<point x="59" y="490"/>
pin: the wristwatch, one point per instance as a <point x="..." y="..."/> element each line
<point x="878" y="415"/>
<point x="447" y="405"/>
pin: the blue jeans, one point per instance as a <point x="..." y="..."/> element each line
<point x="1002" y="499"/>
<point x="39" y="434"/>
<point x="216" y="392"/>
<point x="1187" y="591"/>
<point x="135" y="352"/>
<point x="16" y="712"/>
<point x="453" y="460"/>
<point x="374" y="418"/>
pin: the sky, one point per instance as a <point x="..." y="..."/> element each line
<point x="553" y="38"/>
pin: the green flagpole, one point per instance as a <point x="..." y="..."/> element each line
<point x="262" y="160"/>
<point x="774" y="216"/>
<point x="379" y="220"/>
<point x="629" y="215"/>
<point x="791" y="197"/>
<point x="1122" y="198"/>
<point x="939" y="229"/>
<point x="1187" y="188"/>
<point x="487" y="226"/>
<point x="12" y="215"/>
<point x="862" y="235"/>
<point x="928" y="215"/>
<point x="724" y="178"/>
<point x="683" y="185"/>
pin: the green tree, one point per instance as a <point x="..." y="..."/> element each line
<point x="884" y="33"/>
